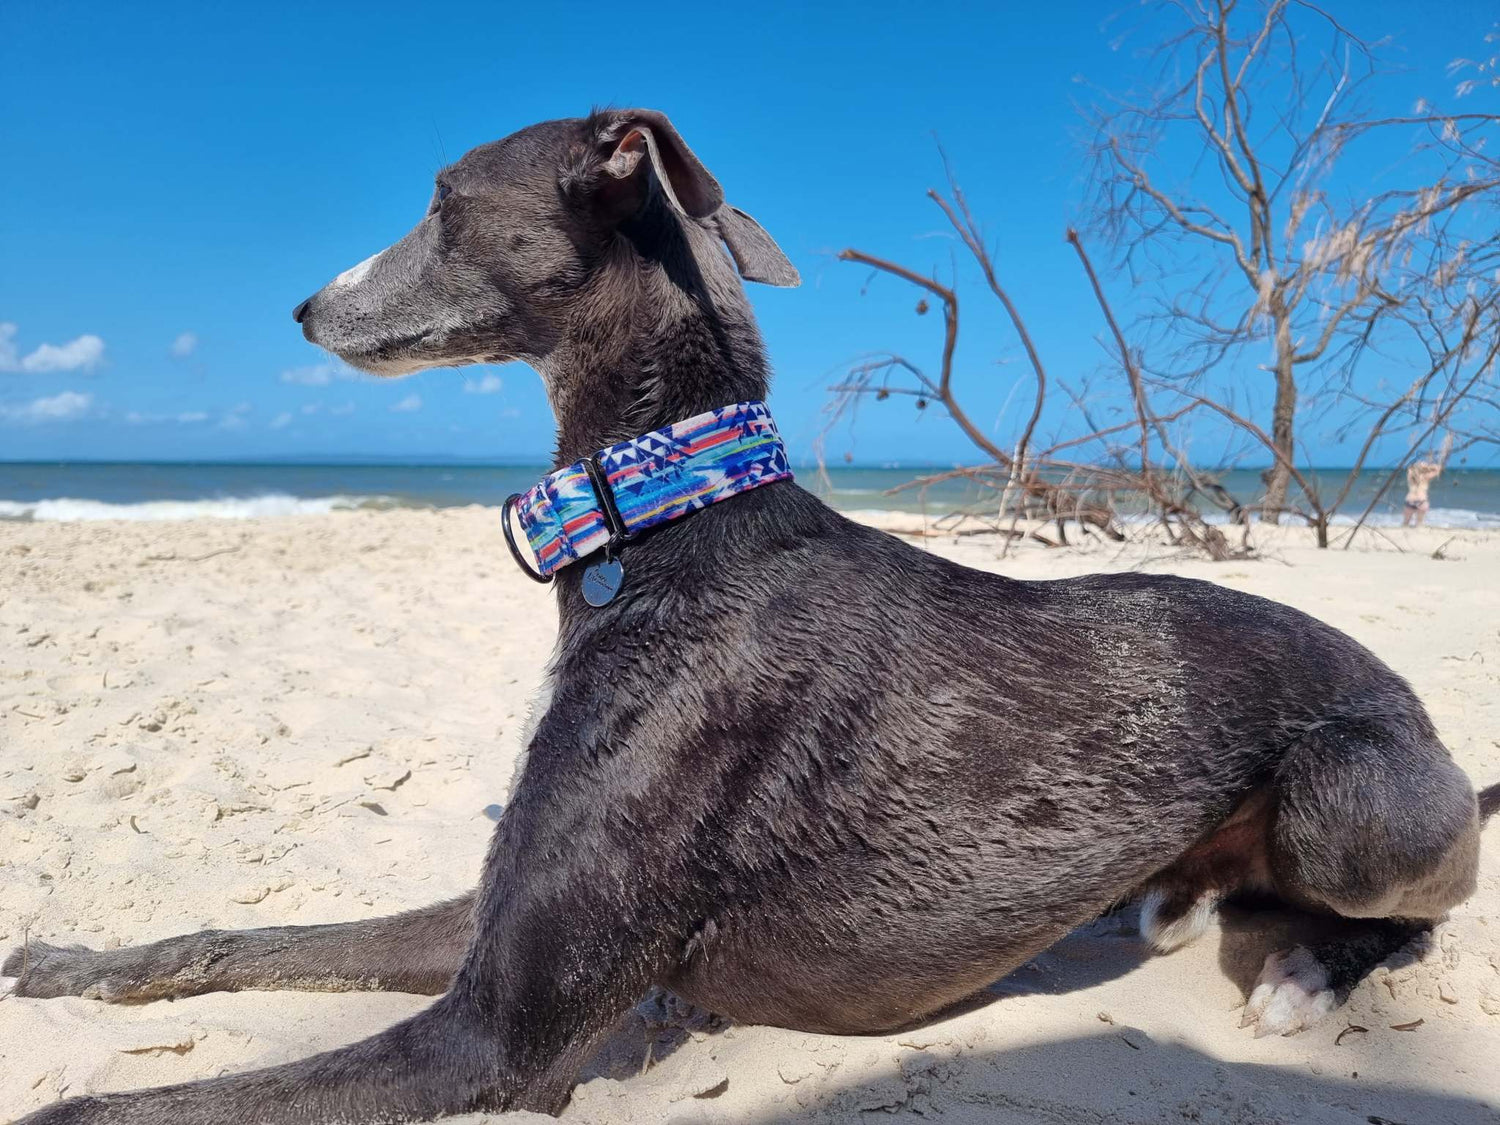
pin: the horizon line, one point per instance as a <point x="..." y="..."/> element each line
<point x="438" y="461"/>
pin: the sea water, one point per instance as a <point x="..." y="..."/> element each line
<point x="68" y="491"/>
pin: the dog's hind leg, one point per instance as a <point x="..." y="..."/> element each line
<point x="1179" y="903"/>
<point x="1374" y="823"/>
<point x="417" y="951"/>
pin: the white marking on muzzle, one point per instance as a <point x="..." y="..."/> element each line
<point x="355" y="274"/>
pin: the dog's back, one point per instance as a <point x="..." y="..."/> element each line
<point x="955" y="767"/>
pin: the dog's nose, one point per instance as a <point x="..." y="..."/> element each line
<point x="301" y="310"/>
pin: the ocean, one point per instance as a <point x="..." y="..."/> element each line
<point x="180" y="490"/>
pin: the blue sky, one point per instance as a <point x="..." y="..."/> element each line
<point x="179" y="176"/>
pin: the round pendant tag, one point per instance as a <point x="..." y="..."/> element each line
<point x="601" y="581"/>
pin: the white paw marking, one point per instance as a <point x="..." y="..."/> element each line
<point x="1178" y="932"/>
<point x="1291" y="994"/>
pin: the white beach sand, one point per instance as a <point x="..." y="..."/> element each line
<point x="301" y="720"/>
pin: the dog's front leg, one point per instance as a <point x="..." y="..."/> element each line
<point x="559" y="953"/>
<point x="434" y="1064"/>
<point x="415" y="951"/>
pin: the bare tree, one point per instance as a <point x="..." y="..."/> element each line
<point x="1377" y="314"/>
<point x="1050" y="483"/>
<point x="1222" y="185"/>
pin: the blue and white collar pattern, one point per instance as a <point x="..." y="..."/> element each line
<point x="639" y="484"/>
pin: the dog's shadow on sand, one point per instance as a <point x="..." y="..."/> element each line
<point x="1107" y="1077"/>
<point x="1248" y="931"/>
<point x="1111" y="947"/>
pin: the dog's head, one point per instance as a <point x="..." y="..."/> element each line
<point x="512" y="237"/>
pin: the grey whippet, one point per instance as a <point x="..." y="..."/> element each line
<point x="800" y="772"/>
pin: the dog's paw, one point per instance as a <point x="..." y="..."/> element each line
<point x="1169" y="923"/>
<point x="1291" y="994"/>
<point x="44" y="972"/>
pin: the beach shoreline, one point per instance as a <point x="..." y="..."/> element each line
<point x="89" y="491"/>
<point x="243" y="722"/>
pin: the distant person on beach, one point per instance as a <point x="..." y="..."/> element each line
<point x="1419" y="478"/>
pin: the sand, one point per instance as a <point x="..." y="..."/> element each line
<point x="303" y="719"/>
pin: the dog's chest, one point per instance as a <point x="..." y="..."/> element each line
<point x="536" y="709"/>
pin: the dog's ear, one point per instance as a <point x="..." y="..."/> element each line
<point x="755" y="252"/>
<point x="642" y="149"/>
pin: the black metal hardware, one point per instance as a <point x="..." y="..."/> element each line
<point x="510" y="541"/>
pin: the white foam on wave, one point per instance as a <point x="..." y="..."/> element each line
<point x="1457" y="518"/>
<point x="1436" y="517"/>
<point x="64" y="509"/>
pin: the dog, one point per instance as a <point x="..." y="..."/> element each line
<point x="799" y="772"/>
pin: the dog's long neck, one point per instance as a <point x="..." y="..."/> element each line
<point x="662" y="333"/>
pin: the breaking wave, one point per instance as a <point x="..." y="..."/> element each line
<point x="64" y="509"/>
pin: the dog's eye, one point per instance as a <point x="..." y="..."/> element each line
<point x="443" y="192"/>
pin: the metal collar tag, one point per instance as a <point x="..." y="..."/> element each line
<point x="603" y="577"/>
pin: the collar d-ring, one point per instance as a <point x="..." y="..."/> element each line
<point x="510" y="541"/>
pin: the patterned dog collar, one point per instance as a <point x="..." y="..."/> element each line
<point x="621" y="491"/>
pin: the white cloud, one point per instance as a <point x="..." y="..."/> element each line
<point x="408" y="405"/>
<point x="185" y="418"/>
<point x="342" y="411"/>
<point x="57" y="408"/>
<point x="319" y="374"/>
<point x="234" y="419"/>
<point x="281" y="421"/>
<point x="312" y="407"/>
<point x="184" y="346"/>
<point x="81" y="354"/>
<point x="490" y="384"/>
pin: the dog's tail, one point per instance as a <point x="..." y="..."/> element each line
<point x="1489" y="802"/>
